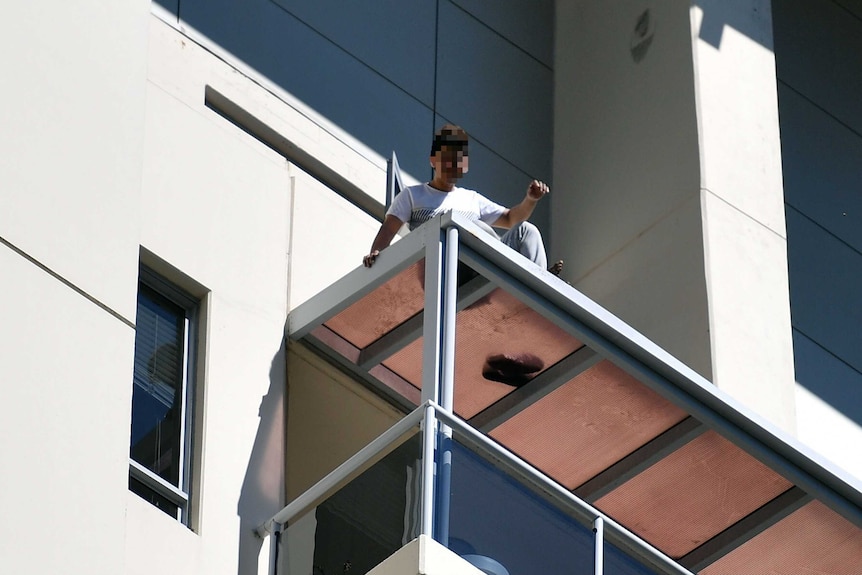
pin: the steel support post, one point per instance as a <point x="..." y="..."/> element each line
<point x="599" y="529"/>
<point x="433" y="316"/>
<point x="274" y="542"/>
<point x="429" y="434"/>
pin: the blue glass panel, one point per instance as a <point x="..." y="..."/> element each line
<point x="617" y="561"/>
<point x="496" y="520"/>
<point x="395" y="39"/>
<point x="499" y="94"/>
<point x="492" y="515"/>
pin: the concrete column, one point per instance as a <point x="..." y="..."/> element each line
<point x="742" y="203"/>
<point x="667" y="204"/>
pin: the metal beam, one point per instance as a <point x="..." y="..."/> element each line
<point x="432" y="314"/>
<point x="656" y="368"/>
<point x="340" y="353"/>
<point x="640" y="459"/>
<point x="745" y="529"/>
<point x="354" y="286"/>
<point x="549" y="380"/>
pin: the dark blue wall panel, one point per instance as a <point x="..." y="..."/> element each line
<point x="818" y="51"/>
<point x="388" y="72"/>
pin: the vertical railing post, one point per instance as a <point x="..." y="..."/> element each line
<point x="433" y="316"/>
<point x="447" y="383"/>
<point x="426" y="510"/>
<point x="599" y="529"/>
<point x="450" y="300"/>
<point x="274" y="542"/>
<point x="438" y="374"/>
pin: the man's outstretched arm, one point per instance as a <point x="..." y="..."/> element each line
<point x="384" y="236"/>
<point x="522" y="212"/>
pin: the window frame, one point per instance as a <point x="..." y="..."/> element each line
<point x="182" y="494"/>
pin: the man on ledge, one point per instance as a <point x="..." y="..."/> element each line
<point x="418" y="204"/>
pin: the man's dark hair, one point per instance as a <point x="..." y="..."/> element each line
<point x="451" y="136"/>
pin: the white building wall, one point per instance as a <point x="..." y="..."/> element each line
<point x="123" y="161"/>
<point x="228" y="211"/>
<point x="109" y="147"/>
<point x="72" y="125"/>
<point x="64" y="436"/>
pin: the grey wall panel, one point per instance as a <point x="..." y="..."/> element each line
<point x="369" y="68"/>
<point x="819" y="47"/>
<point x="393" y="37"/>
<point x="529" y="24"/>
<point x="337" y="85"/>
<point x="502" y="182"/>
<point x="854" y="6"/>
<point x="831" y="379"/>
<point x="502" y="96"/>
<point x="825" y="280"/>
<point x="822" y="167"/>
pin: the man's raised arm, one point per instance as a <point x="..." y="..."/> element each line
<point x="388" y="229"/>
<point x="522" y="212"/>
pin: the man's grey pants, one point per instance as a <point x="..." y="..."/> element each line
<point x="525" y="238"/>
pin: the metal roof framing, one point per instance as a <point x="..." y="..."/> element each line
<point x="603" y="335"/>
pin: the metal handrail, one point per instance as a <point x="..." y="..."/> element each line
<point x="342" y="474"/>
<point x="559" y="496"/>
<point x="565" y="499"/>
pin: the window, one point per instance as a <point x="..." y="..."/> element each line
<point x="160" y="463"/>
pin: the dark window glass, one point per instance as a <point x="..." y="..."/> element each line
<point x="157" y="397"/>
<point x="151" y="496"/>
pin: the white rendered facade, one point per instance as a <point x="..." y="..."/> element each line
<point x="113" y="156"/>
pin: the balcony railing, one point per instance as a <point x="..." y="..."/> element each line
<point x="526" y="384"/>
<point x="470" y="494"/>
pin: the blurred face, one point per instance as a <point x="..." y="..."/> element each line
<point x="450" y="162"/>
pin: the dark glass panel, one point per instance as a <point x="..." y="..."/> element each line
<point x="361" y="524"/>
<point x="493" y="516"/>
<point x="152" y="497"/>
<point x="158" y="383"/>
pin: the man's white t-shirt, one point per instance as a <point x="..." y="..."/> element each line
<point x="417" y="204"/>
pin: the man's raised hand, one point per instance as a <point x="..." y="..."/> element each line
<point x="537" y="190"/>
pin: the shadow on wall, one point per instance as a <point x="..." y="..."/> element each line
<point x="752" y="18"/>
<point x="359" y="81"/>
<point x="262" y="493"/>
<point x="388" y="73"/>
